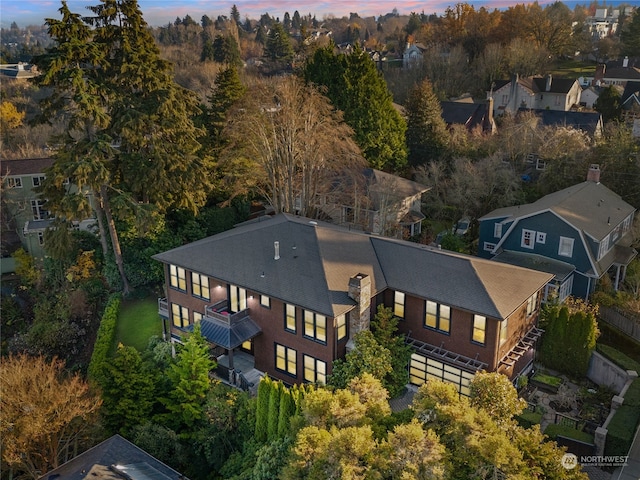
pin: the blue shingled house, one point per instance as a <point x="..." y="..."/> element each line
<point x="578" y="234"/>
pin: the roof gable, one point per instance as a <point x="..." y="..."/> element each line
<point x="588" y="206"/>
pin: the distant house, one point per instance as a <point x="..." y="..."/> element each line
<point x="578" y="234"/>
<point x="114" y="459"/>
<point x="291" y="293"/>
<point x="603" y="24"/>
<point x="413" y="54"/>
<point x="24" y="216"/>
<point x="589" y="122"/>
<point x="589" y="96"/>
<point x="474" y="116"/>
<point x="617" y="72"/>
<point x="630" y="99"/>
<point x="535" y="93"/>
<point x="375" y="202"/>
<point x="18" y="71"/>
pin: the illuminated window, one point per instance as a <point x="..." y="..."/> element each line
<point x="265" y="301"/>
<point x="286" y="359"/>
<point x="398" y="304"/>
<point x="315" y="326"/>
<point x="200" y="286"/>
<point x="180" y="315"/>
<point x="315" y="371"/>
<point x="237" y="298"/>
<point x="479" y="329"/>
<point x="437" y="316"/>
<point x="178" y="278"/>
<point x="532" y="303"/>
<point x="290" y="318"/>
<point x="503" y="331"/>
<point x="197" y="316"/>
<point x="341" y="326"/>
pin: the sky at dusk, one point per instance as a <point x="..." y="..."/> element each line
<point x="161" y="12"/>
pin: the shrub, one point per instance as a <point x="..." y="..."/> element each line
<point x="553" y="430"/>
<point x="622" y="427"/>
<point x="617" y="357"/>
<point x="528" y="419"/>
<point x="105" y="337"/>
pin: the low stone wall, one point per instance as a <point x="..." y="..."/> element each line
<point x="606" y="373"/>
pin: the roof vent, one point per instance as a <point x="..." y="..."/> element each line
<point x="276" y="247"/>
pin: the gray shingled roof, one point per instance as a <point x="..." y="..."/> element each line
<point x="228" y="335"/>
<point x="25" y="166"/>
<point x="99" y="463"/>
<point x="315" y="274"/>
<point x="589" y="206"/>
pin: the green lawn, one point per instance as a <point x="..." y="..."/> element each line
<point x="138" y="320"/>
<point x="572" y="68"/>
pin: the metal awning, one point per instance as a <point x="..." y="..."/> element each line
<point x="228" y="335"/>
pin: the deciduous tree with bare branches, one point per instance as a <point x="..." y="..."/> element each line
<point x="286" y="142"/>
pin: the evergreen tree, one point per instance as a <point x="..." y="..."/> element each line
<point x="609" y="105"/>
<point x="190" y="380"/>
<point x="426" y="130"/>
<point x="296" y="23"/>
<point x="262" y="409"/>
<point x="235" y="14"/>
<point x="286" y="21"/>
<point x="227" y="90"/>
<point x="226" y="50"/>
<point x="127" y="391"/>
<point x="355" y="86"/>
<point x="261" y="35"/>
<point x="206" y="22"/>
<point x="278" y="45"/>
<point x="274" y="411"/>
<point x="630" y="35"/>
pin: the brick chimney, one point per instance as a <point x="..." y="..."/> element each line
<point x="359" y="317"/>
<point x="593" y="175"/>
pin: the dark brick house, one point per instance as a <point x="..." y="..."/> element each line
<point x="293" y="292"/>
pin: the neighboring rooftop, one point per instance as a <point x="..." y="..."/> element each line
<point x="25" y="166"/>
<point x="114" y="459"/>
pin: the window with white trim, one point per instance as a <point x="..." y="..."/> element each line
<point x="398" y="304"/>
<point x="565" y="247"/>
<point x="497" y="230"/>
<point x="286" y="359"/>
<point x="14" y="182"/>
<point x="528" y="239"/>
<point x="180" y="315"/>
<point x="541" y="237"/>
<point x="341" y="326"/>
<point x="479" y="329"/>
<point x="489" y="247"/>
<point x="38" y="180"/>
<point x="315" y="371"/>
<point x="237" y="298"/>
<point x="265" y="301"/>
<point x="200" y="286"/>
<point x="315" y="326"/>
<point x="437" y="316"/>
<point x="38" y="210"/>
<point x="290" y="318"/>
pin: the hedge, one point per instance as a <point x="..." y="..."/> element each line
<point x="553" y="430"/>
<point x="528" y="419"/>
<point x="105" y="337"/>
<point x="618" y="357"/>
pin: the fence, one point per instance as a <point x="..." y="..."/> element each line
<point x="624" y="321"/>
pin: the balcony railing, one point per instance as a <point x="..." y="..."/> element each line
<point x="163" y="307"/>
<point x="220" y="311"/>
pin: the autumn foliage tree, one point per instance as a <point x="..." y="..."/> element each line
<point x="44" y="413"/>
